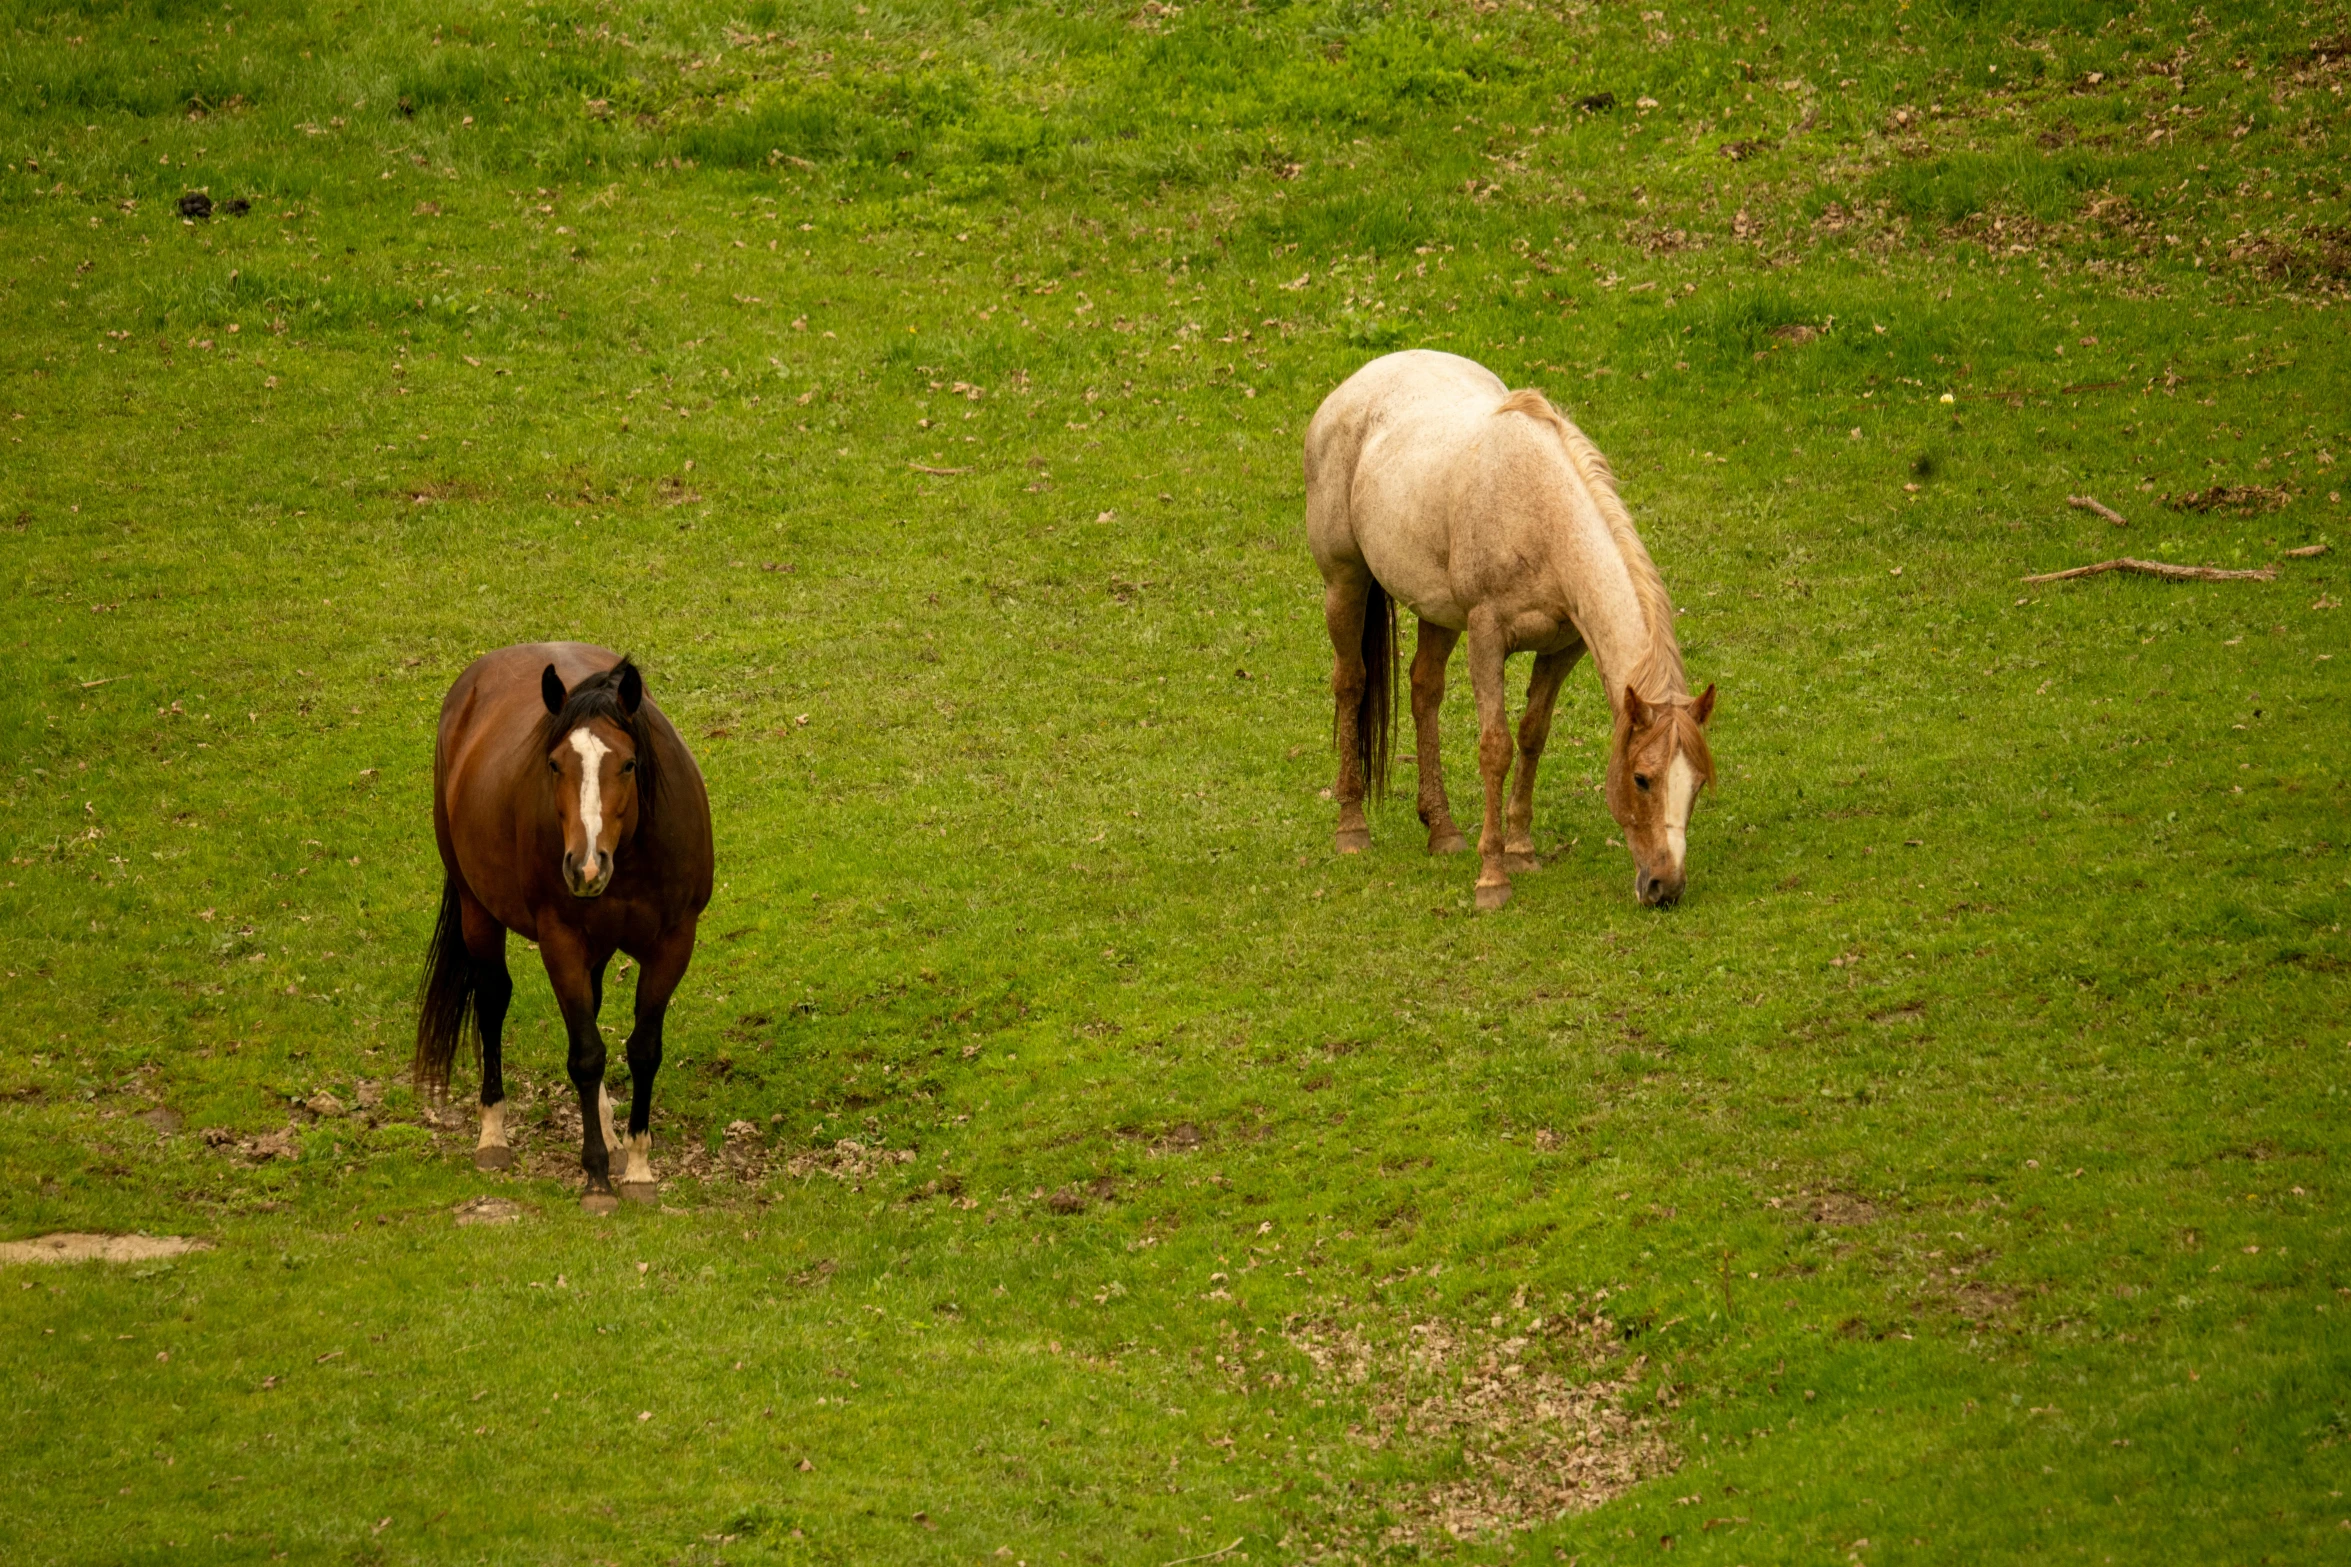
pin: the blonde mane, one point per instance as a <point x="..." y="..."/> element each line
<point x="1659" y="674"/>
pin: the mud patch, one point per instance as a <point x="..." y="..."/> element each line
<point x="75" y="1247"/>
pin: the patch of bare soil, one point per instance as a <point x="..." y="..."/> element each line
<point x="2243" y="500"/>
<point x="846" y="1161"/>
<point x="488" y="1210"/>
<point x="543" y="1129"/>
<point x="75" y="1247"/>
<point x="285" y="1143"/>
<point x="1828" y="1207"/>
<point x="1843" y="1209"/>
<point x="1536" y="1418"/>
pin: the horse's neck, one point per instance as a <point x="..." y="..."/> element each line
<point x="1607" y="609"/>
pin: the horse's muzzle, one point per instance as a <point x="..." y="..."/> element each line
<point x="1659" y="891"/>
<point x="590" y="880"/>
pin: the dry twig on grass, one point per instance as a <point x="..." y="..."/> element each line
<point x="926" y="468"/>
<point x="2163" y="569"/>
<point x="2090" y="503"/>
<point x="2304" y="553"/>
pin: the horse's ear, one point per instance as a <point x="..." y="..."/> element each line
<point x="632" y="689"/>
<point x="551" y="689"/>
<point x="1636" y="711"/>
<point x="1703" y="708"/>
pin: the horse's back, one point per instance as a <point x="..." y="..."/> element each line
<point x="1419" y="396"/>
<point x="1392" y="456"/>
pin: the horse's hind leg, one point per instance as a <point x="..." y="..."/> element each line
<point x="665" y="966"/>
<point x="1433" y="649"/>
<point x="1346" y="599"/>
<point x="1534" y="730"/>
<point x="1487" y="649"/>
<point x="493" y="988"/>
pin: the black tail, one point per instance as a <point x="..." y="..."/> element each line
<point x="1375" y="715"/>
<point x="444" y="998"/>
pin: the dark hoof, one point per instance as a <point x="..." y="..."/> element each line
<point x="599" y="1203"/>
<point x="1518" y="864"/>
<point x="493" y="1158"/>
<point x="1451" y="843"/>
<point x="1492" y="898"/>
<point x="641" y="1191"/>
<point x="1352" y="840"/>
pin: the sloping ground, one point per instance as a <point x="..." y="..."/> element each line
<point x="1064" y="1153"/>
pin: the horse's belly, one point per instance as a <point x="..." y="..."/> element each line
<point x="1418" y="582"/>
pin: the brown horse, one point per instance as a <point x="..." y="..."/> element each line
<point x="1430" y="484"/>
<point x="569" y="812"/>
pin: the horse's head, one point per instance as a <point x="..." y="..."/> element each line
<point x="599" y="766"/>
<point x="1657" y="762"/>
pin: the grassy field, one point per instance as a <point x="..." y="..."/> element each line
<point x="1067" y="1157"/>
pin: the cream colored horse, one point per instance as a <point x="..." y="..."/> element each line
<point x="1430" y="484"/>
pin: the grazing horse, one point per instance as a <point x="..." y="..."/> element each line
<point x="569" y="812"/>
<point x="1429" y="484"/>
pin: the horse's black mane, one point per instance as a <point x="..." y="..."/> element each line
<point x="598" y="696"/>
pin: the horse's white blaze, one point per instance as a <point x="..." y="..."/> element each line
<point x="493" y="1126"/>
<point x="592" y="752"/>
<point x="1681" y="798"/>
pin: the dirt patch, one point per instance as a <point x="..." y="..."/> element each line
<point x="75" y="1247"/>
<point x="2242" y="500"/>
<point x="1184" y="1138"/>
<point x="489" y="1210"/>
<point x="1532" y="1422"/>
<point x="543" y="1129"/>
<point x="845" y="1161"/>
<point x="1983" y="1302"/>
<point x="1842" y="1209"/>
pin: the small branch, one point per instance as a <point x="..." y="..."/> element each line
<point x="2163" y="569"/>
<point x="111" y="679"/>
<point x="2306" y="552"/>
<point x="2088" y="503"/>
<point x="1211" y="1556"/>
<point x="922" y="468"/>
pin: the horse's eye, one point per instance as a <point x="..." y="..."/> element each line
<point x="553" y="765"/>
<point x="1641" y="782"/>
<point x="628" y="766"/>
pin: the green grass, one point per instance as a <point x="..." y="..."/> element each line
<point x="1953" y="1171"/>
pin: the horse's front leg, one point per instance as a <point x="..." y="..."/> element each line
<point x="1344" y="603"/>
<point x="1431" y="652"/>
<point x="1487" y="649"/>
<point x="664" y="967"/>
<point x="571" y="971"/>
<point x="493" y="989"/>
<point x="1534" y="731"/>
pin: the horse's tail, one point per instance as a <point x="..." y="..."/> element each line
<point x="444" y="997"/>
<point x="1375" y="714"/>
